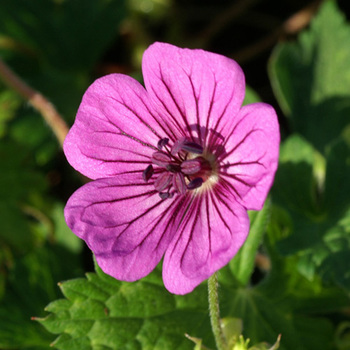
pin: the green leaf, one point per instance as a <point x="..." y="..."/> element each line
<point x="31" y="285"/>
<point x="40" y="141"/>
<point x="63" y="235"/>
<point x="242" y="265"/>
<point x="18" y="179"/>
<point x="56" y="44"/>
<point x="9" y="102"/>
<point x="337" y="184"/>
<point x="264" y="319"/>
<point x="19" y="182"/>
<point x="296" y="189"/>
<point x="290" y="300"/>
<point x="100" y="312"/>
<point x="311" y="77"/>
<point x="319" y="208"/>
<point x="287" y="285"/>
<point x="285" y="303"/>
<point x="335" y="265"/>
<point x="295" y="183"/>
<point x="15" y="231"/>
<point x="250" y="96"/>
<point x="50" y="29"/>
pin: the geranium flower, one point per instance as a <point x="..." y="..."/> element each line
<point x="176" y="166"/>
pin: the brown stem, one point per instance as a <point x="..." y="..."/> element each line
<point x="38" y="101"/>
<point x="291" y="26"/>
<point x="262" y="262"/>
<point x="224" y="18"/>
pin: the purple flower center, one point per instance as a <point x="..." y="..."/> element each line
<point x="180" y="168"/>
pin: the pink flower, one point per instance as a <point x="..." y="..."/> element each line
<point x="176" y="166"/>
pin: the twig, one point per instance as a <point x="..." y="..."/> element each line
<point x="223" y="19"/>
<point x="262" y="262"/>
<point x="291" y="26"/>
<point x="38" y="101"/>
<point x="301" y="19"/>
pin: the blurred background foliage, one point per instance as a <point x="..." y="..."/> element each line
<point x="296" y="56"/>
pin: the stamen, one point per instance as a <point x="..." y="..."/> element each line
<point x="177" y="146"/>
<point x="173" y="168"/>
<point x="147" y="173"/>
<point x="182" y="167"/>
<point x="192" y="147"/>
<point x="165" y="195"/>
<point x="186" y="145"/>
<point x="191" y="166"/>
<point x="195" y="183"/>
<point x="163" y="181"/>
<point x="161" y="159"/>
<point x="179" y="183"/>
<point x="162" y="143"/>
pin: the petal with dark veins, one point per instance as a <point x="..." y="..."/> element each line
<point x="115" y="131"/>
<point x="212" y="230"/>
<point x="251" y="153"/>
<point x="195" y="90"/>
<point x="124" y="222"/>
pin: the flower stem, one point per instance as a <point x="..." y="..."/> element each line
<point x="214" y="312"/>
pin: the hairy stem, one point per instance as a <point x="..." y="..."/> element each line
<point x="38" y="101"/>
<point x="214" y="312"/>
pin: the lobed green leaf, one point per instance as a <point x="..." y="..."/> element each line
<point x="311" y="77"/>
<point x="100" y="312"/>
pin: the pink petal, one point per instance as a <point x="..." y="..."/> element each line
<point x="195" y="90"/>
<point x="115" y="130"/>
<point x="250" y="160"/>
<point x="124" y="222"/>
<point x="211" y="232"/>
